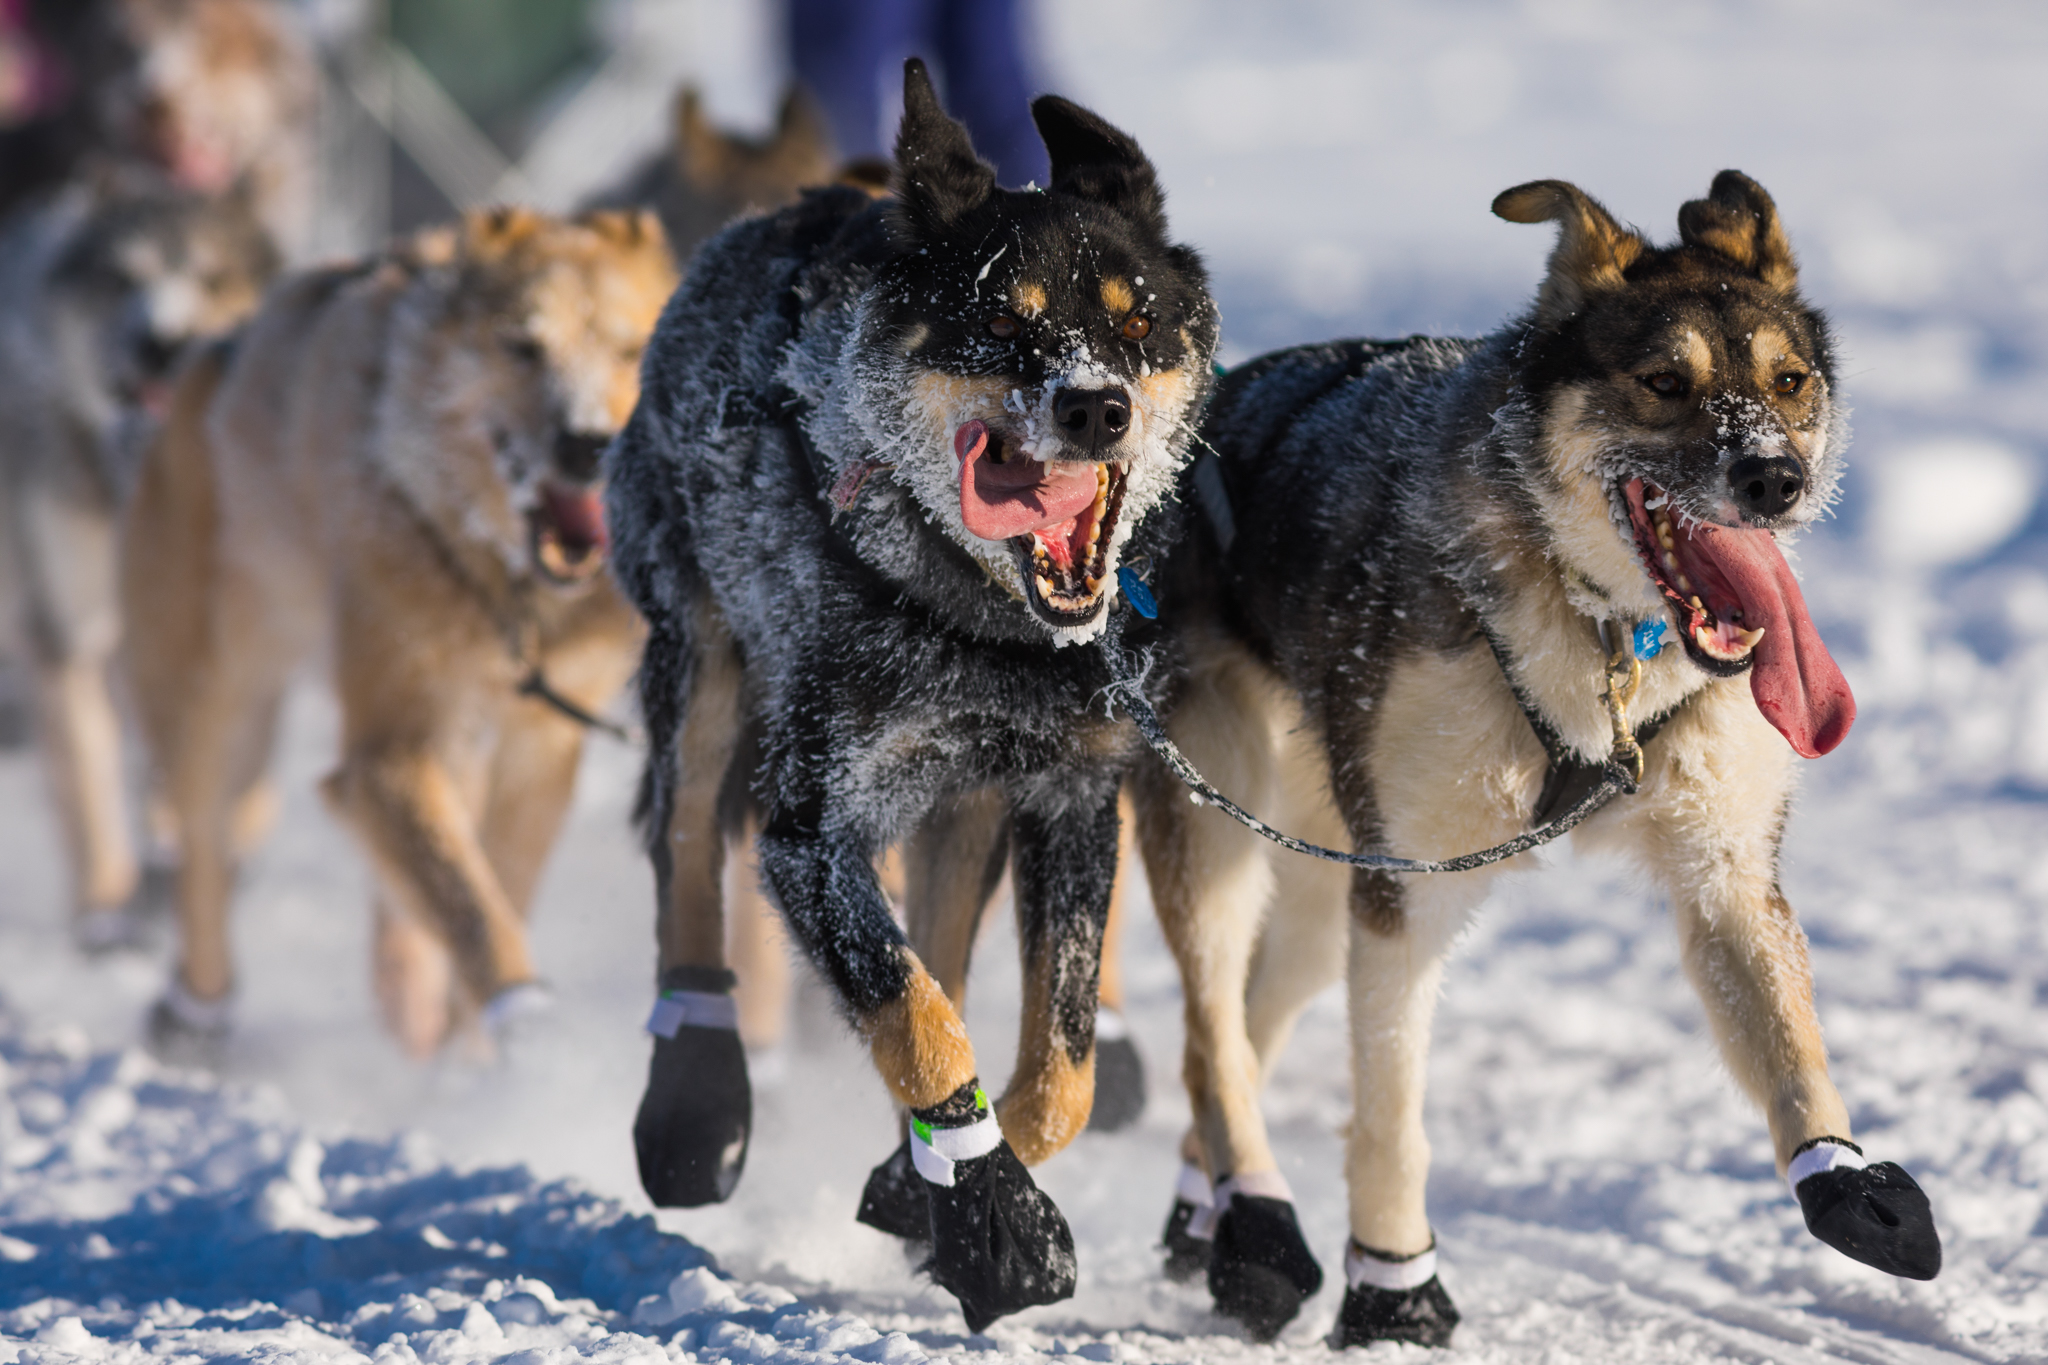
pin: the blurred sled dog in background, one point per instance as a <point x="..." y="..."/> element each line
<point x="1394" y="631"/>
<point x="395" y="465"/>
<point x="889" y="461"/>
<point x="101" y="287"/>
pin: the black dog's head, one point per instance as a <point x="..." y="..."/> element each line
<point x="1033" y="361"/>
<point x="1685" y="396"/>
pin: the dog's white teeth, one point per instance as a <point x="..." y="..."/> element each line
<point x="1749" y="637"/>
<point x="1044" y="586"/>
<point x="1670" y="562"/>
<point x="1697" y="605"/>
<point x="1684" y="584"/>
<point x="1094" y="585"/>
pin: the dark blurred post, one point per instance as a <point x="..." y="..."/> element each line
<point x="850" y="54"/>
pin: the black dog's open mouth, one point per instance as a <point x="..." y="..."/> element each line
<point x="1059" y="517"/>
<point x="1714" y="628"/>
<point x="565" y="533"/>
<point x="1067" y="565"/>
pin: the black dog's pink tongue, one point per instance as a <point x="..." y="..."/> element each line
<point x="575" y="515"/>
<point x="1794" y="679"/>
<point x="998" y="501"/>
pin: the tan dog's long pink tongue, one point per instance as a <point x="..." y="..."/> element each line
<point x="1794" y="679"/>
<point x="998" y="501"/>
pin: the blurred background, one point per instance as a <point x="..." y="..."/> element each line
<point x="1335" y="161"/>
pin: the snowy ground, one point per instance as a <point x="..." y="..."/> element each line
<point x="1601" y="1193"/>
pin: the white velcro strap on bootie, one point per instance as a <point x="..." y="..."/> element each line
<point x="934" y="1150"/>
<point x="1822" y="1156"/>
<point x="1363" y="1267"/>
<point x="694" y="1009"/>
<point x="210" y="1017"/>
<point x="1192" y="1185"/>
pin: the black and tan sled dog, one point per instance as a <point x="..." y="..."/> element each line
<point x="1395" y="643"/>
<point x="887" y="463"/>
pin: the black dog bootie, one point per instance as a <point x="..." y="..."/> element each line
<point x="895" y="1201"/>
<point x="1119" y="1075"/>
<point x="1393" y="1298"/>
<point x="1875" y="1214"/>
<point x="1190" y="1232"/>
<point x="1260" y="1267"/>
<point x="999" y="1243"/>
<point x="695" y="1117"/>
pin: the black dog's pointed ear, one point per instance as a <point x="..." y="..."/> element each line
<point x="1092" y="160"/>
<point x="1592" y="249"/>
<point x="1739" y="220"/>
<point x="938" y="176"/>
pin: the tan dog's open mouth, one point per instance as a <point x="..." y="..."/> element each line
<point x="1741" y="607"/>
<point x="1059" y="516"/>
<point x="565" y="532"/>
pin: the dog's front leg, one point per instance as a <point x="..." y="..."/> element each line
<point x="998" y="1244"/>
<point x="1720" y="781"/>
<point x="1066" y="865"/>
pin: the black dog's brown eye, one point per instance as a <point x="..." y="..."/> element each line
<point x="1003" y="326"/>
<point x="1789" y="383"/>
<point x="1666" y="384"/>
<point x="1137" y="327"/>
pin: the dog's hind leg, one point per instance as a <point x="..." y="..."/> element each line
<point x="68" y="539"/>
<point x="1211" y="883"/>
<point x="1710" y="820"/>
<point x="1119" y="1068"/>
<point x="691" y="1131"/>
<point x="209" y="677"/>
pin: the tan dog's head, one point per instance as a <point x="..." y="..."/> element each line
<point x="1685" y="404"/>
<point x="519" y="359"/>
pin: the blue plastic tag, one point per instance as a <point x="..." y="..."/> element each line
<point x="1650" y="638"/>
<point x="1136" y="593"/>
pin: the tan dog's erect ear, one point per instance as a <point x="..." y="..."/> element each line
<point x="1739" y="220"/>
<point x="1592" y="249"/>
<point x="627" y="227"/>
<point x="801" y="136"/>
<point x="703" y="156"/>
<point x="491" y="234"/>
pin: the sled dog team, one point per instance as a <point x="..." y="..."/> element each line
<point x="878" y="506"/>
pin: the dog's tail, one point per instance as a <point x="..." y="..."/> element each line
<point x="654" y="563"/>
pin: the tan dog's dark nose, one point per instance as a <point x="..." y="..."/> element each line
<point x="579" y="454"/>
<point x="1767" y="486"/>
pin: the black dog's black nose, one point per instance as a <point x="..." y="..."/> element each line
<point x="1767" y="486"/>
<point x="1092" y="418"/>
<point x="578" y="454"/>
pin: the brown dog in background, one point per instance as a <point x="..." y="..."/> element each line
<point x="397" y="461"/>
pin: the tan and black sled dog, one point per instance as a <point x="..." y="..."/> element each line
<point x="1395" y="633"/>
<point x="395" y="464"/>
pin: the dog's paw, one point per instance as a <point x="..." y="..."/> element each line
<point x="691" y="1132"/>
<point x="1187" y="1254"/>
<point x="1875" y="1214"/>
<point x="1190" y="1232"/>
<point x="895" y="1201"/>
<point x="999" y="1243"/>
<point x="1393" y="1298"/>
<point x="1119" y="1075"/>
<point x="184" y="1030"/>
<point x="1260" y="1267"/>
<point x="1423" y="1316"/>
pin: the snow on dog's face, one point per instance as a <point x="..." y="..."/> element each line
<point x="1686" y="403"/>
<point x="1032" y="363"/>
